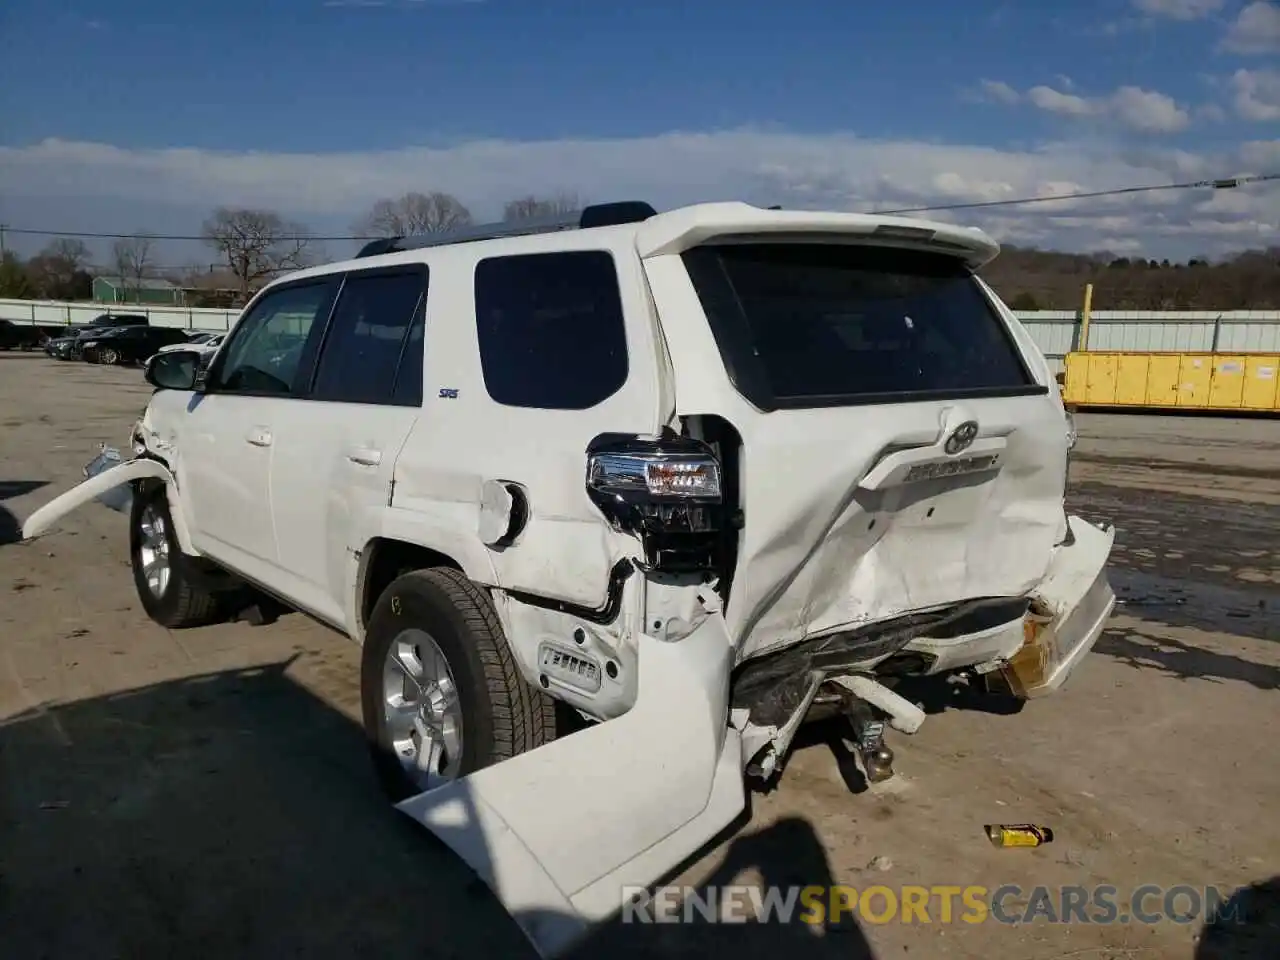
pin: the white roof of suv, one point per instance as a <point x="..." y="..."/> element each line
<point x="658" y="234"/>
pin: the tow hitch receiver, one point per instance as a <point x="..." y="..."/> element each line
<point x="876" y="758"/>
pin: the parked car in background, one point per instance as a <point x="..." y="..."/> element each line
<point x="121" y="320"/>
<point x="129" y="344"/>
<point x="69" y="347"/>
<point x="19" y="336"/>
<point x="203" y="343"/>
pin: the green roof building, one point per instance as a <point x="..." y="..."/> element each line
<point x="160" y="293"/>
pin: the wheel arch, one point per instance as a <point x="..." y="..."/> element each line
<point x="382" y="560"/>
<point x="177" y="510"/>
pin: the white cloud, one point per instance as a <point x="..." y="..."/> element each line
<point x="1259" y="155"/>
<point x="1255" y="30"/>
<point x="1067" y="104"/>
<point x="1147" y="111"/>
<point x="1143" y="111"/>
<point x="67" y="185"/>
<point x="997" y="91"/>
<point x="1257" y="94"/>
<point x="1179" y="9"/>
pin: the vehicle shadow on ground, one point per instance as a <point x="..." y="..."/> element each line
<point x="1247" y="927"/>
<point x="10" y="528"/>
<point x="1182" y="660"/>
<point x="237" y="812"/>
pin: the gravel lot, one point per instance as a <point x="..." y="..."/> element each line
<point x="207" y="793"/>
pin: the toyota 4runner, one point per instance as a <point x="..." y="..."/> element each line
<point x="698" y="475"/>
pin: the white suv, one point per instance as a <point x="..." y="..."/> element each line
<point x="700" y="475"/>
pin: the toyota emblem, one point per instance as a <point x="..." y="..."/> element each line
<point x="962" y="437"/>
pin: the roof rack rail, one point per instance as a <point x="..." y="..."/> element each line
<point x="596" y="215"/>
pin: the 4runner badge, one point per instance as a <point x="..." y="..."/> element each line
<point x="962" y="437"/>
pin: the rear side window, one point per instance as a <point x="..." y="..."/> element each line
<point x="551" y="329"/>
<point x="814" y="324"/>
<point x="360" y="361"/>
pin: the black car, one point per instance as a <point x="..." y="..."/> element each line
<point x="128" y="344"/>
<point x="19" y="336"/>
<point x="68" y="347"/>
<point x="120" y="320"/>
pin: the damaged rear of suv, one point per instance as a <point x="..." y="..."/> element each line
<point x="700" y="476"/>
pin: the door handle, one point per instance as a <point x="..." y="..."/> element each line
<point x="365" y="456"/>
<point x="259" y="437"/>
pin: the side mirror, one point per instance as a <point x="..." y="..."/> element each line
<point x="175" y="370"/>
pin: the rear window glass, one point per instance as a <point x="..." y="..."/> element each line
<point x="829" y="322"/>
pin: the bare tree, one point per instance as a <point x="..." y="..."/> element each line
<point x="14" y="281"/>
<point x="68" y="251"/>
<point x="1055" y="280"/>
<point x="131" y="257"/>
<point x="415" y="213"/>
<point x="257" y="244"/>
<point x="533" y="207"/>
<point x="58" y="271"/>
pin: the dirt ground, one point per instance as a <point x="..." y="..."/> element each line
<point x="207" y="792"/>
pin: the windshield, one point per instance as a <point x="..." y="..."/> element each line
<point x="812" y="323"/>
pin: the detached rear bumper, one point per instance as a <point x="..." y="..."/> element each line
<point x="560" y="833"/>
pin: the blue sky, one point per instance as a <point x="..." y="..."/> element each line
<point x="141" y="115"/>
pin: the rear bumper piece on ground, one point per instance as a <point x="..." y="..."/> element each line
<point x="559" y="832"/>
<point x="1079" y="598"/>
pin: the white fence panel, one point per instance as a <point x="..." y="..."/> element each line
<point x="1055" y="332"/>
<point x="59" y="312"/>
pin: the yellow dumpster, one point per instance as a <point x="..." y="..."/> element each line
<point x="1192" y="381"/>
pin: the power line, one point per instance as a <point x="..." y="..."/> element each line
<point x="1223" y="183"/>
<point x="90" y="235"/>
<point x="1226" y="183"/>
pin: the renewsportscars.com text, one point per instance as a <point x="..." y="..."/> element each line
<point x="912" y="904"/>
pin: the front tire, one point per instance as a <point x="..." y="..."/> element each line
<point x="441" y="693"/>
<point x="161" y="571"/>
<point x="109" y="357"/>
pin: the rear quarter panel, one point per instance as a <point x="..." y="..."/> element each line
<point x="465" y="438"/>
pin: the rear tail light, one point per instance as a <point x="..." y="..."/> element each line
<point x="667" y="492"/>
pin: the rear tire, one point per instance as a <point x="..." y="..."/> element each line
<point x="161" y="571"/>
<point x="500" y="714"/>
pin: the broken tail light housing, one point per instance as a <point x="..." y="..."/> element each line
<point x="667" y="492"/>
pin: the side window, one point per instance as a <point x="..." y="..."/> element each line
<point x="375" y="321"/>
<point x="265" y="350"/>
<point x="551" y="329"/>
